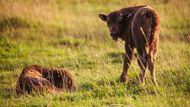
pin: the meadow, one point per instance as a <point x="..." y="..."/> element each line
<point x="69" y="34"/>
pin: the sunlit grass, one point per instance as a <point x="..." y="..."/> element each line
<point x="69" y="34"/>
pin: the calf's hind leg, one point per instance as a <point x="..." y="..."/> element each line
<point x="142" y="61"/>
<point x="152" y="61"/>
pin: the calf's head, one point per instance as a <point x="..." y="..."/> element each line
<point x="116" y="22"/>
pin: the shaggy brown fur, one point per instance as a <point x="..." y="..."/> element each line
<point x="40" y="79"/>
<point x="139" y="27"/>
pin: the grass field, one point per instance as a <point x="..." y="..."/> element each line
<point x="69" y="34"/>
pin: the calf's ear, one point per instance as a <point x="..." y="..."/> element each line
<point x="103" y="17"/>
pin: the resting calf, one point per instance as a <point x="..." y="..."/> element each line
<point x="35" y="78"/>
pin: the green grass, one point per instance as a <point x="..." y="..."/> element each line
<point x="68" y="33"/>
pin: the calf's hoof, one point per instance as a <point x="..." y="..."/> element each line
<point x="155" y="83"/>
<point x="122" y="79"/>
<point x="141" y="80"/>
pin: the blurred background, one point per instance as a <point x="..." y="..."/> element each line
<point x="78" y="18"/>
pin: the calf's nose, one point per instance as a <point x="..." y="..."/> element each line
<point x="113" y="34"/>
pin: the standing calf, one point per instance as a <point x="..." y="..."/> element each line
<point x="139" y="27"/>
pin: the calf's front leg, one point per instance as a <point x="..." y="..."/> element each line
<point x="127" y="60"/>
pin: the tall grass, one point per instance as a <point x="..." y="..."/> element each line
<point x="68" y="33"/>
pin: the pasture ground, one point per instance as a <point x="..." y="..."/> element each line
<point x="69" y="34"/>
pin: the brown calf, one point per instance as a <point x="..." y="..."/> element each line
<point x="139" y="27"/>
<point x="40" y="79"/>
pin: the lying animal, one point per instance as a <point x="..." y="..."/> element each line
<point x="39" y="79"/>
<point x="139" y="27"/>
